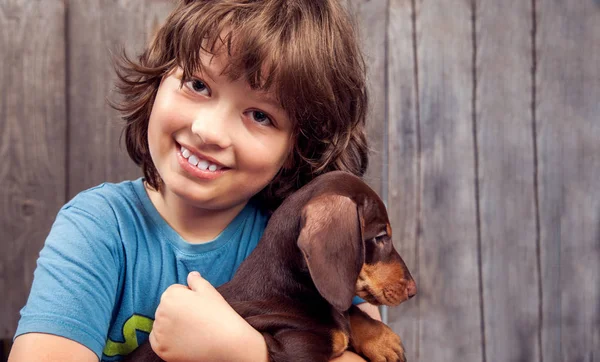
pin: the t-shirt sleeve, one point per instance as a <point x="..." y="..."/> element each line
<point x="358" y="300"/>
<point x="76" y="278"/>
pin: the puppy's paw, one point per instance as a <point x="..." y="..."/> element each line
<point x="380" y="344"/>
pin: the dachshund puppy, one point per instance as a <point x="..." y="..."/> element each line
<point x="326" y="243"/>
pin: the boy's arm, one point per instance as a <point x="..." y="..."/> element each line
<point x="348" y="357"/>
<point x="49" y="348"/>
<point x="371" y="310"/>
<point x="70" y="303"/>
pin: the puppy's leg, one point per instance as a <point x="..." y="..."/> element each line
<point x="373" y="339"/>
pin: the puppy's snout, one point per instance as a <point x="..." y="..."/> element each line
<point x="411" y="288"/>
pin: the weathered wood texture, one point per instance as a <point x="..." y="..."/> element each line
<point x="485" y="128"/>
<point x="449" y="300"/>
<point x="506" y="186"/>
<point x="568" y="136"/>
<point x="96" y="28"/>
<point x="371" y="20"/>
<point x="32" y="142"/>
<point x="403" y="169"/>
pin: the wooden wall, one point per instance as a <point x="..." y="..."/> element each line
<point x="485" y="125"/>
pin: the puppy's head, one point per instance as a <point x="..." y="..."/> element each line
<point x="347" y="244"/>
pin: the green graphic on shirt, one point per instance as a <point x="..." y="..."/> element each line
<point x="135" y="323"/>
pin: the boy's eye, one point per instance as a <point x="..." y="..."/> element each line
<point x="197" y="86"/>
<point x="261" y="117"/>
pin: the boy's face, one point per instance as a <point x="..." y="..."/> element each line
<point x="216" y="143"/>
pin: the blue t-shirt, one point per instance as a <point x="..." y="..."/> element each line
<point x="109" y="257"/>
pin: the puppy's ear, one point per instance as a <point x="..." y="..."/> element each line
<point x="331" y="242"/>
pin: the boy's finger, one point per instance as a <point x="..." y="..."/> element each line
<point x="193" y="279"/>
<point x="173" y="288"/>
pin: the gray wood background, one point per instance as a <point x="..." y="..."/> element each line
<point x="485" y="125"/>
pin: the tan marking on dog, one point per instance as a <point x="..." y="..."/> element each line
<point x="340" y="342"/>
<point x="388" y="229"/>
<point x="377" y="342"/>
<point x="384" y="282"/>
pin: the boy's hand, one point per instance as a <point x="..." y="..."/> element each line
<point x="195" y="323"/>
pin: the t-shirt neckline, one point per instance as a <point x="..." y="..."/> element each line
<point x="174" y="238"/>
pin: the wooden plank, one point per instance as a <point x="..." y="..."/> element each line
<point x="403" y="168"/>
<point x="449" y="298"/>
<point x="506" y="180"/>
<point x="32" y="139"/>
<point x="371" y="17"/>
<point x="568" y="133"/>
<point x="96" y="27"/>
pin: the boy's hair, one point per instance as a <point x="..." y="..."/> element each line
<point x="305" y="52"/>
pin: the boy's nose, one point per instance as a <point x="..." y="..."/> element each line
<point x="211" y="128"/>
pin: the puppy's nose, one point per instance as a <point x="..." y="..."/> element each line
<point x="411" y="288"/>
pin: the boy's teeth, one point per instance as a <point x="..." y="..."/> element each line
<point x="203" y="164"/>
<point x="198" y="162"/>
<point x="193" y="160"/>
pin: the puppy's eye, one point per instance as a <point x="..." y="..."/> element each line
<point x="381" y="239"/>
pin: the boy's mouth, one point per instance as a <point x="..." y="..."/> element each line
<point x="200" y="162"/>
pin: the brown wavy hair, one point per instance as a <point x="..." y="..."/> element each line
<point x="305" y="52"/>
